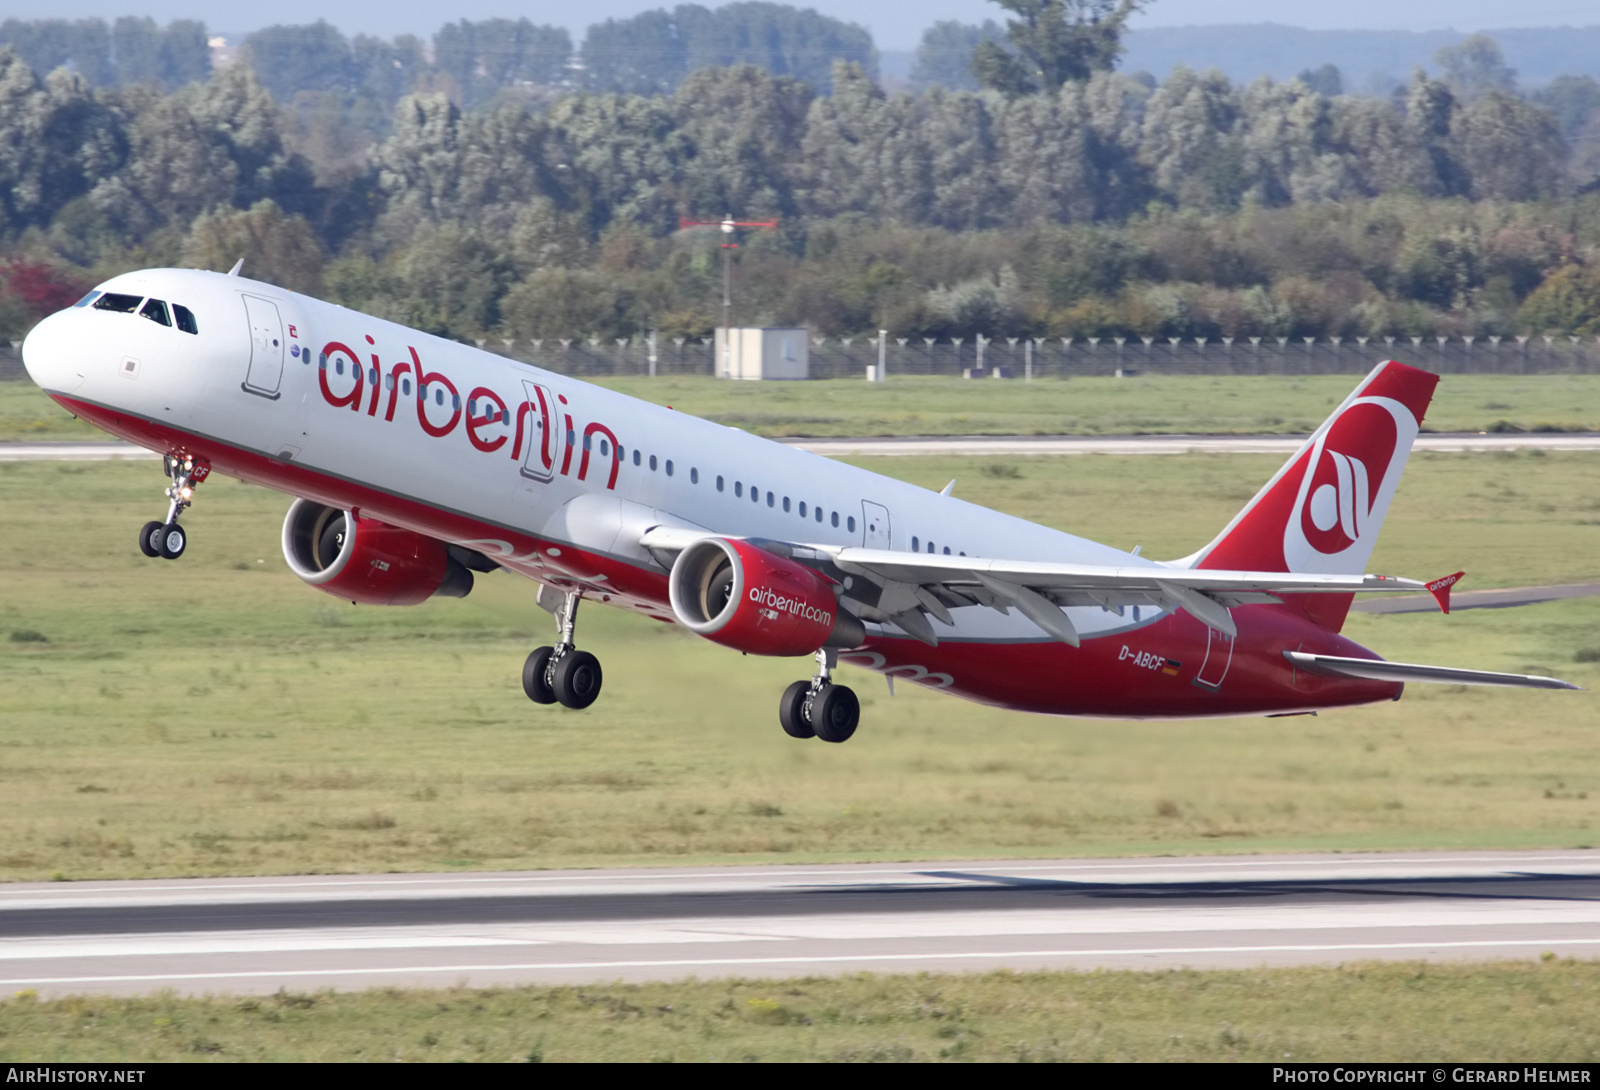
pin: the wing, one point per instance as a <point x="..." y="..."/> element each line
<point x="907" y="588"/>
<point x="1378" y="670"/>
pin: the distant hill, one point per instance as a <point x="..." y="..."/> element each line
<point x="1366" y="58"/>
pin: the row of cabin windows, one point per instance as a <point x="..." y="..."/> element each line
<point x="815" y="512"/>
<point x="916" y="547"/>
<point x="154" y="309"/>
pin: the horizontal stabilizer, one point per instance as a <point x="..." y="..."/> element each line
<point x="1440" y="589"/>
<point x="1378" y="670"/>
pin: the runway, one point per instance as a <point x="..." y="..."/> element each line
<point x="257" y="935"/>
<point x="970" y="445"/>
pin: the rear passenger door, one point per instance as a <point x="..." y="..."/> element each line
<point x="266" y="347"/>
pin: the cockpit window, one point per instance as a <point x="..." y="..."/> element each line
<point x="185" y="318"/>
<point x="118" y="304"/>
<point x="156" y="311"/>
<point x="87" y="299"/>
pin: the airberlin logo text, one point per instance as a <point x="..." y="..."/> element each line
<point x="539" y="431"/>
<point x="764" y="597"/>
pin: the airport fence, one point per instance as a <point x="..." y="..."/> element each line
<point x="1055" y="357"/>
<point x="1061" y="357"/>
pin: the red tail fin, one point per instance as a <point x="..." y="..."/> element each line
<point x="1322" y="511"/>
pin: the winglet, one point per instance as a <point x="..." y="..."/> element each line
<point x="1440" y="589"/>
<point x="945" y="491"/>
<point x="237" y="265"/>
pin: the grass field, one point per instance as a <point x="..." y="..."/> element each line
<point x="1146" y="404"/>
<point x="216" y="716"/>
<point x="1413" y="1013"/>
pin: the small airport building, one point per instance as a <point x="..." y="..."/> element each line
<point x="762" y="353"/>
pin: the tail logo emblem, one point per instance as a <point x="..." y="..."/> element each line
<point x="1351" y="476"/>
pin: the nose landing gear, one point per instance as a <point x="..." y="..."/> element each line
<point x="562" y="673"/>
<point x="167" y="539"/>
<point x="818" y="708"/>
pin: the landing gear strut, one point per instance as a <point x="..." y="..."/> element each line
<point x="167" y="539"/>
<point x="562" y="673"/>
<point x="818" y="708"/>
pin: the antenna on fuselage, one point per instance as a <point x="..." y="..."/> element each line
<point x="237" y="265"/>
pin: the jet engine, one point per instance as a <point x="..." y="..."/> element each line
<point x="741" y="596"/>
<point x="364" y="560"/>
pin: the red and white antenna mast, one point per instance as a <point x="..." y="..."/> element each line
<point x="729" y="228"/>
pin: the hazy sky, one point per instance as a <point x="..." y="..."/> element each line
<point x="895" y="24"/>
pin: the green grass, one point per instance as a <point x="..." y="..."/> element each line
<point x="1412" y="1013"/>
<point x="216" y="716"/>
<point x="1146" y="404"/>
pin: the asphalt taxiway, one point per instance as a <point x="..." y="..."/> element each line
<point x="257" y="935"/>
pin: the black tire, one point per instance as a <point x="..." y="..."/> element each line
<point x="533" y="671"/>
<point x="147" y="539"/>
<point x="576" y="679"/>
<point x="172" y="539"/>
<point x="792" y="711"/>
<point x="835" y="714"/>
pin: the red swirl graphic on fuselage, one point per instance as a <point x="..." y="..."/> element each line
<point x="1346" y="480"/>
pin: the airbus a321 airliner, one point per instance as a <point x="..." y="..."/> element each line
<point x="417" y="461"/>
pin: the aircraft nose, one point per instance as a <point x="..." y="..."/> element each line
<point x="48" y="357"/>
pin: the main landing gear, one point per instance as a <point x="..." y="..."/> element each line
<point x="167" y="539"/>
<point x="562" y="673"/>
<point x="818" y="708"/>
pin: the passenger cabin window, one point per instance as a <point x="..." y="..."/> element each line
<point x="186" y="321"/>
<point x="156" y="311"/>
<point x="652" y="463"/>
<point x="118" y="304"/>
<point x="852" y="523"/>
<point x="635" y="455"/>
<point x="719" y="482"/>
<point x="669" y="467"/>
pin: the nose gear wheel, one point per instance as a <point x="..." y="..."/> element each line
<point x="167" y="539"/>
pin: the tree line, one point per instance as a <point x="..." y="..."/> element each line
<point x="1110" y="205"/>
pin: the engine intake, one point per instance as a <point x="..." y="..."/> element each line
<point x="364" y="560"/>
<point x="741" y="596"/>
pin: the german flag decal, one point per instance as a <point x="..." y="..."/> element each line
<point x="1172" y="667"/>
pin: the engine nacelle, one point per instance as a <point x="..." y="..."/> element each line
<point x="364" y="560"/>
<point x="743" y="597"/>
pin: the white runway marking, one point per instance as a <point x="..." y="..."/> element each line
<point x="260" y="934"/>
<point x="685" y="965"/>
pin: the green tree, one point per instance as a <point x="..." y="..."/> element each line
<point x="276" y="248"/>
<point x="1325" y="80"/>
<point x="1567" y="302"/>
<point x="1508" y="148"/>
<point x="1053" y="42"/>
<point x="289" y="59"/>
<point x="1476" y="67"/>
<point x="654" y="51"/>
<point x="944" y="56"/>
<point x="57" y="141"/>
<point x="742" y="125"/>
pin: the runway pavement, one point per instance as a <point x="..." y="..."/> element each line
<point x="973" y="445"/>
<point x="257" y="935"/>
